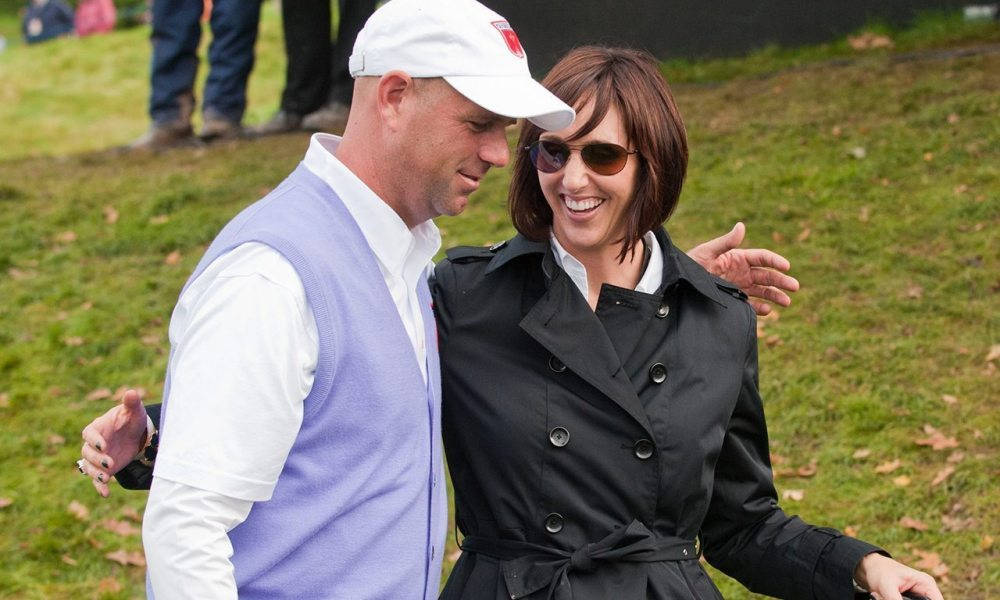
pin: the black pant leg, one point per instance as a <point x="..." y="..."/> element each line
<point x="306" y="24"/>
<point x="353" y="14"/>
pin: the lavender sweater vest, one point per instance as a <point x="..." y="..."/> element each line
<point x="359" y="511"/>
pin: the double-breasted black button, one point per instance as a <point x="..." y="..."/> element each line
<point x="554" y="523"/>
<point x="658" y="373"/>
<point x="556" y="365"/>
<point x="643" y="449"/>
<point x="663" y="311"/>
<point x="559" y="436"/>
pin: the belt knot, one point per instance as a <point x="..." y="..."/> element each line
<point x="581" y="560"/>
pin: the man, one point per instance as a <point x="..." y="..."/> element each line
<point x="300" y="452"/>
<point x="175" y="37"/>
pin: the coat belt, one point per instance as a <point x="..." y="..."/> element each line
<point x="528" y="567"/>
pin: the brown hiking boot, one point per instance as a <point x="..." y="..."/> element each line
<point x="216" y="127"/>
<point x="331" y="118"/>
<point x="282" y="122"/>
<point x="162" y="136"/>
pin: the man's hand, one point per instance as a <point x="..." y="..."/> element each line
<point x="887" y="579"/>
<point x="112" y="440"/>
<point x="759" y="273"/>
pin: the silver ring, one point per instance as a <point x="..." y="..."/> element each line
<point x="79" y="467"/>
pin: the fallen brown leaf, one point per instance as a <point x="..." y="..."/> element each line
<point x="173" y="258"/>
<point x="949" y="399"/>
<point x="109" y="585"/>
<point x="110" y="215"/>
<point x="936" y="440"/>
<point x="862" y="453"/>
<point x="78" y="510"/>
<point x="159" y="219"/>
<point x="869" y="40"/>
<point x="773" y="340"/>
<point x="5" y="502"/>
<point x="808" y="470"/>
<point x="795" y="495"/>
<point x="153" y="339"/>
<point x="994" y="353"/>
<point x="986" y="543"/>
<point x="961" y="189"/>
<point x="123" y="557"/>
<point x="73" y="340"/>
<point x="66" y="558"/>
<point x="851" y="530"/>
<point x="901" y="481"/>
<point x="99" y="394"/>
<point x="4" y="400"/>
<point x="836" y="131"/>
<point x="777" y="459"/>
<point x="951" y="523"/>
<point x="66" y="237"/>
<point x="55" y="440"/>
<point x="956" y="457"/>
<point x="915" y="292"/>
<point x="911" y="523"/>
<point x="122" y="528"/>
<point x="943" y="474"/>
<point x="864" y="214"/>
<point x="130" y="513"/>
<point x="931" y="561"/>
<point x="777" y="237"/>
<point x="928" y="156"/>
<point x="953" y="118"/>
<point x="889" y="467"/>
<point x="803" y="235"/>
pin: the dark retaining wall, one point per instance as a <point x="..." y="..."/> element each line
<point x="692" y="28"/>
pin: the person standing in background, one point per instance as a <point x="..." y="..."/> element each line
<point x="318" y="86"/>
<point x="176" y="35"/>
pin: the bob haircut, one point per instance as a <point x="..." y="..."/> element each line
<point x="630" y="81"/>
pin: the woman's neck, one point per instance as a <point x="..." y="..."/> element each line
<point x="603" y="267"/>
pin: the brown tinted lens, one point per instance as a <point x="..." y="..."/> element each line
<point x="604" y="159"/>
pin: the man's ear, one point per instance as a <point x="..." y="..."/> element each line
<point x="394" y="89"/>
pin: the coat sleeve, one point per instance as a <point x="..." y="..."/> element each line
<point x="746" y="534"/>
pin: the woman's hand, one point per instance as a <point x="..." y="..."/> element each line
<point x="887" y="579"/>
<point x="759" y="273"/>
<point x="112" y="440"/>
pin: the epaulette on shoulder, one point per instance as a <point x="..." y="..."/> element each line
<point x="467" y="254"/>
<point x="730" y="289"/>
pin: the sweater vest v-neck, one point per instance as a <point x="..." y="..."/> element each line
<point x="359" y="510"/>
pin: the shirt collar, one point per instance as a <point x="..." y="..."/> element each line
<point x="400" y="250"/>
<point x="649" y="283"/>
<point x="676" y="264"/>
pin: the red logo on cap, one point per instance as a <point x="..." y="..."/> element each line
<point x="513" y="44"/>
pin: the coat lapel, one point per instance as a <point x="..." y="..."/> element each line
<point x="563" y="323"/>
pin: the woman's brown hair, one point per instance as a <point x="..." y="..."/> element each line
<point x="630" y="81"/>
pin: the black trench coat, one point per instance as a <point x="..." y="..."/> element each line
<point x="595" y="453"/>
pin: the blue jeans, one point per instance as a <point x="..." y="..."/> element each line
<point x="176" y="34"/>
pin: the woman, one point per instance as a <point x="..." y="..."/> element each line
<point x="601" y="413"/>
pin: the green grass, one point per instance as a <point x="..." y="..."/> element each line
<point x="900" y="304"/>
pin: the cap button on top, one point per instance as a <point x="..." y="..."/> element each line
<point x="554" y="523"/>
<point x="556" y="365"/>
<point x="559" y="437"/>
<point x="658" y="373"/>
<point x="643" y="449"/>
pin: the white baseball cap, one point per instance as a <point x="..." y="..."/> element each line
<point x="473" y="48"/>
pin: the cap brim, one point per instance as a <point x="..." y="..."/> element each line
<point x="517" y="98"/>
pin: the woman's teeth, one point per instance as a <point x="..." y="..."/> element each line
<point x="582" y="205"/>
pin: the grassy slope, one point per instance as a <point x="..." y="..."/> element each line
<point x="900" y="267"/>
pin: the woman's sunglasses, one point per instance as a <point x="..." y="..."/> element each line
<point x="602" y="158"/>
